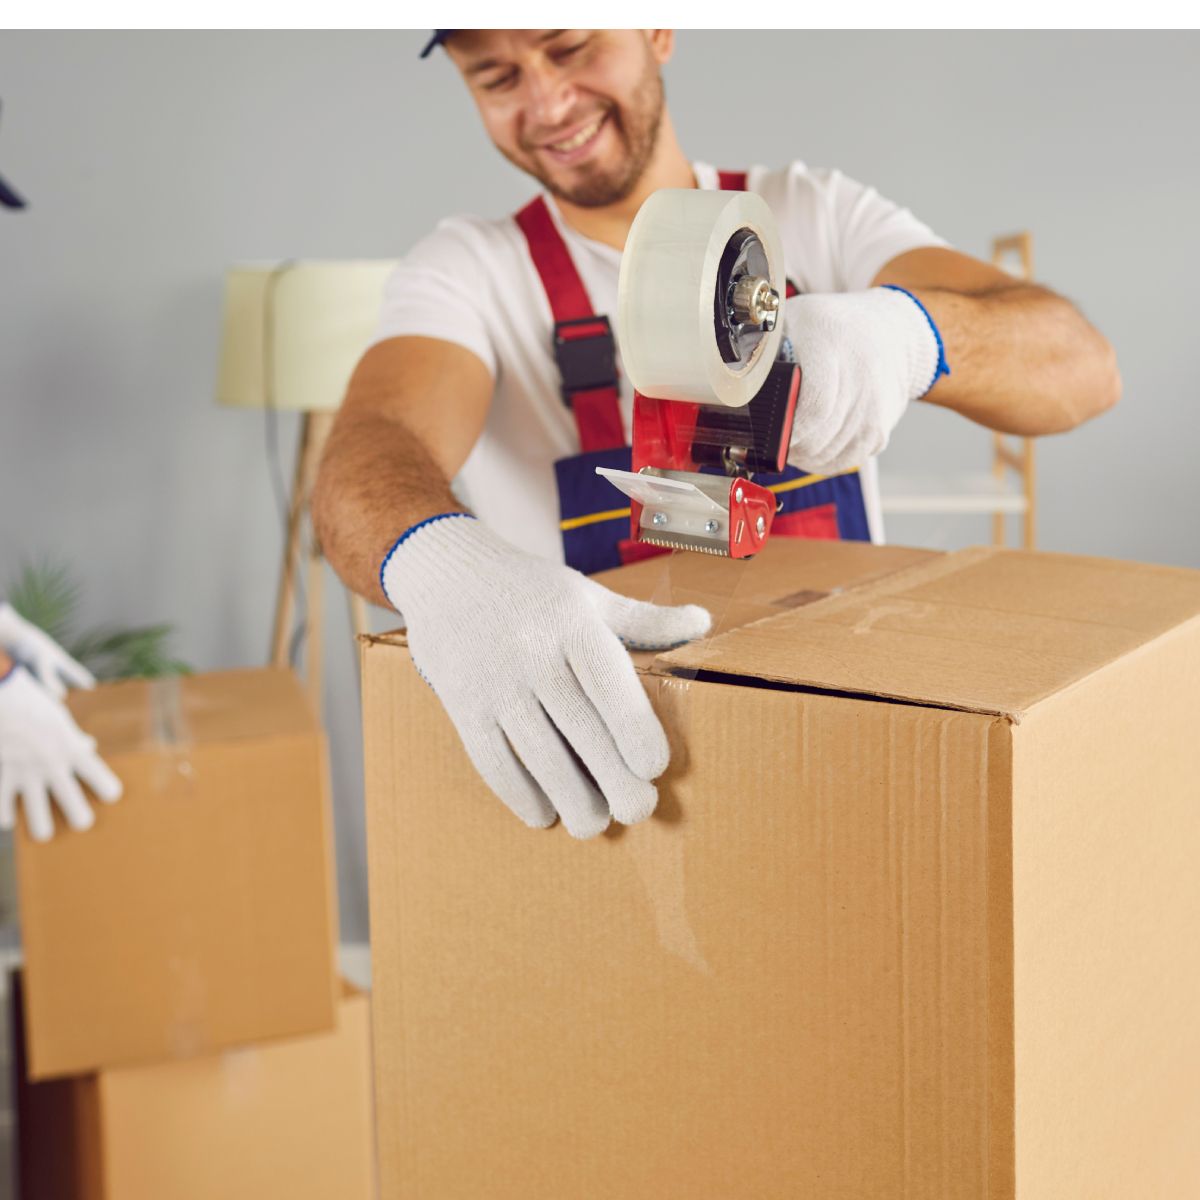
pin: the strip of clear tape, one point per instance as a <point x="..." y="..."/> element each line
<point x="169" y="731"/>
<point x="736" y="592"/>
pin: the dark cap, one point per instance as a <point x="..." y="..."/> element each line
<point x="438" y="39"/>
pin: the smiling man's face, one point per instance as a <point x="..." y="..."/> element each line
<point x="578" y="109"/>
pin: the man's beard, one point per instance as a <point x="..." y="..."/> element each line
<point x="637" y="126"/>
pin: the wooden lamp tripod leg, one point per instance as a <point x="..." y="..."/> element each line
<point x="314" y="431"/>
<point x="285" y="600"/>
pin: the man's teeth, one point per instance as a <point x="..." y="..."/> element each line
<point x="582" y="136"/>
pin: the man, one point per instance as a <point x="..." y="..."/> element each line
<point x="524" y="651"/>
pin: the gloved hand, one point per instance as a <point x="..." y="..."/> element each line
<point x="526" y="655"/>
<point x="863" y="356"/>
<point x="42" y="751"/>
<point x="45" y="657"/>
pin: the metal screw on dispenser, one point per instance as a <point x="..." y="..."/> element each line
<point x="711" y="526"/>
<point x="738" y="494"/>
<point x="659" y="518"/>
<point x="761" y="526"/>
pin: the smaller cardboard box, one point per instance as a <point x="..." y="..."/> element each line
<point x="198" y="913"/>
<point x="289" y="1118"/>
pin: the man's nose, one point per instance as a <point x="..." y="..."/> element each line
<point x="551" y="97"/>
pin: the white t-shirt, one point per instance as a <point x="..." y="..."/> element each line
<point x="472" y="282"/>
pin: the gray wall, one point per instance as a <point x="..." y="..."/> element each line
<point x="152" y="160"/>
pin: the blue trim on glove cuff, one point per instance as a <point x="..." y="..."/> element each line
<point x="387" y="558"/>
<point x="943" y="367"/>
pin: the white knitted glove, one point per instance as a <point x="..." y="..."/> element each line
<point x="863" y="356"/>
<point x="42" y="654"/>
<point x="42" y="751"/>
<point x="526" y="656"/>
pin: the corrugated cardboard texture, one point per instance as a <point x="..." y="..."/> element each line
<point x="782" y="987"/>
<point x="986" y="630"/>
<point x="799" y="979"/>
<point x="198" y="912"/>
<point x="289" y="1119"/>
<point x="1106" y="846"/>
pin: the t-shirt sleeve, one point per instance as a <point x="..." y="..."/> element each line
<point x="870" y="230"/>
<point x="438" y="290"/>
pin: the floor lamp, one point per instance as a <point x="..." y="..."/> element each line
<point x="291" y="336"/>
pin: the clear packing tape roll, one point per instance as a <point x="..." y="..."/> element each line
<point x="668" y="290"/>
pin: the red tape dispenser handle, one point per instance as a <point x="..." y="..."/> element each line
<point x="751" y="512"/>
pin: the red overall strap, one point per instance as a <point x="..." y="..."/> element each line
<point x="735" y="181"/>
<point x="594" y="401"/>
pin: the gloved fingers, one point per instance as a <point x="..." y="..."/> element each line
<point x="71" y="670"/>
<point x="37" y="808"/>
<point x="645" y="626"/>
<point x="8" y="798"/>
<point x="45" y="671"/>
<point x="629" y="798"/>
<point x="98" y="776"/>
<point x="540" y="746"/>
<point x="851" y="433"/>
<point x="74" y="740"/>
<point x="822" y="414"/>
<point x="606" y="674"/>
<point x="69" y="797"/>
<point x="503" y="772"/>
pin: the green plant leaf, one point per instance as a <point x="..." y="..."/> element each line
<point x="46" y="594"/>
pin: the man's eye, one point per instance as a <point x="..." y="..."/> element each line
<point x="499" y="82"/>
<point x="568" y="51"/>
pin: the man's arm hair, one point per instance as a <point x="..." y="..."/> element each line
<point x="1022" y="359"/>
<point x="413" y="410"/>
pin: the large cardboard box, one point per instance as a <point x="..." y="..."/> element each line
<point x="198" y="912"/>
<point x="916" y="918"/>
<point x="290" y="1118"/>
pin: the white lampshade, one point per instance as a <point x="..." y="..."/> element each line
<point x="294" y="331"/>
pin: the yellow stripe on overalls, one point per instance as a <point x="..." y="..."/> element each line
<point x="592" y="518"/>
<point x="612" y="514"/>
<point x="789" y="485"/>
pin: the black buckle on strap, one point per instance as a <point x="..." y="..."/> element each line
<point x="586" y="354"/>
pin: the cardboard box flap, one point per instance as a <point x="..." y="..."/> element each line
<point x="787" y="573"/>
<point x="224" y="706"/>
<point x="983" y="629"/>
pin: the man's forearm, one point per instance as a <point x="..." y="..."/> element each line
<point x="376" y="480"/>
<point x="1022" y="359"/>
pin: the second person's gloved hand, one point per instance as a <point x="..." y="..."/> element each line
<point x="863" y="357"/>
<point x="54" y="667"/>
<point x="526" y="656"/>
<point x="44" y="755"/>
